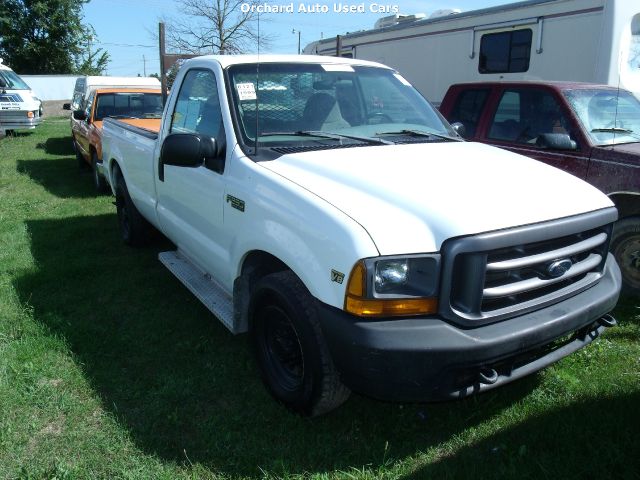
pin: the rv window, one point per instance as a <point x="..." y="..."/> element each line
<point x="505" y="52"/>
<point x="468" y="108"/>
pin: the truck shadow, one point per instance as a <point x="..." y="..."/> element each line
<point x="185" y="388"/>
<point x="603" y="435"/>
<point x="59" y="176"/>
<point x="60" y="146"/>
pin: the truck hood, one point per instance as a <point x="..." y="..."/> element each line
<point x="410" y="198"/>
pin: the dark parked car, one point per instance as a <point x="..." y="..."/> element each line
<point x="591" y="131"/>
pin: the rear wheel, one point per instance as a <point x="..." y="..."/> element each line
<point x="134" y="229"/>
<point x="98" y="180"/>
<point x="625" y="246"/>
<point x="290" y="349"/>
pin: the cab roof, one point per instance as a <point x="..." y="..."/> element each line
<point x="229" y="60"/>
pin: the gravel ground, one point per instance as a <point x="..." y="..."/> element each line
<point x="53" y="108"/>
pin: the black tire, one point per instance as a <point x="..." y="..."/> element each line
<point x="290" y="349"/>
<point x="134" y="229"/>
<point x="625" y="246"/>
<point x="98" y="180"/>
<point x="82" y="163"/>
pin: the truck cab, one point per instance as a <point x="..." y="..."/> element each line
<point x="591" y="131"/>
<point x="137" y="106"/>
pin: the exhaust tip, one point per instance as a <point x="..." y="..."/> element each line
<point x="607" y="321"/>
<point x="487" y="375"/>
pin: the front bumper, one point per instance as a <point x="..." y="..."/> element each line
<point x="421" y="359"/>
<point x="18" y="120"/>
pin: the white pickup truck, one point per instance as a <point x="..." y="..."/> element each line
<point x="324" y="206"/>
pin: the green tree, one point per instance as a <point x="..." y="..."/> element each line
<point x="47" y="37"/>
<point x="91" y="60"/>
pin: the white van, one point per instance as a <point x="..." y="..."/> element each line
<point x="85" y="85"/>
<point x="20" y="109"/>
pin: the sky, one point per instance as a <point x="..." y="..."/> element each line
<point x="127" y="29"/>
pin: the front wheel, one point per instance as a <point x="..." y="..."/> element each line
<point x="625" y="246"/>
<point x="290" y="349"/>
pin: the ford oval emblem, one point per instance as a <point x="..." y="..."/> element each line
<point x="558" y="268"/>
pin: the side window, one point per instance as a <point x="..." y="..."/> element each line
<point x="76" y="102"/>
<point x="90" y="100"/>
<point x="468" y="108"/>
<point x="197" y="108"/>
<point x="505" y="52"/>
<point x="523" y="115"/>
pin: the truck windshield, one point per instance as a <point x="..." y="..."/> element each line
<point x="609" y="116"/>
<point x="310" y="104"/>
<point x="12" y="80"/>
<point x="128" y="105"/>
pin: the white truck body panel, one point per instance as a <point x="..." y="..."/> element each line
<point x="575" y="40"/>
<point x="405" y="188"/>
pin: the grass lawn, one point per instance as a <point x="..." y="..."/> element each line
<point x="109" y="368"/>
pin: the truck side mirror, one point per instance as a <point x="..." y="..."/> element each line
<point x="189" y="150"/>
<point x="556" y="141"/>
<point x="66" y="106"/>
<point x="459" y="128"/>
<point x="79" y="115"/>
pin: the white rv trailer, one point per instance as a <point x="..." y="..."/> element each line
<point x="576" y="40"/>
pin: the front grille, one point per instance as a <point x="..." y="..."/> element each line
<point x="502" y="274"/>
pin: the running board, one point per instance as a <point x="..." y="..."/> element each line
<point x="202" y="286"/>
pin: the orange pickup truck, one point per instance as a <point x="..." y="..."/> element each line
<point x="140" y="107"/>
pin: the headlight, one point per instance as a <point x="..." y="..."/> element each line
<point x="394" y="286"/>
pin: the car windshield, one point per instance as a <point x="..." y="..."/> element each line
<point x="609" y="116"/>
<point x="12" y="81"/>
<point x="128" y="105"/>
<point x="311" y="104"/>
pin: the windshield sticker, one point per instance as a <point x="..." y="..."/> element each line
<point x="246" y="91"/>
<point x="337" y="68"/>
<point x="402" y="79"/>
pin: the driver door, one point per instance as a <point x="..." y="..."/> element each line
<point x="190" y="200"/>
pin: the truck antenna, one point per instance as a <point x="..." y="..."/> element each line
<point x="615" y="116"/>
<point x="255" y="150"/>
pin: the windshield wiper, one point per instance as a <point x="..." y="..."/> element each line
<point x="420" y="133"/>
<point x="625" y="131"/>
<point x="332" y="136"/>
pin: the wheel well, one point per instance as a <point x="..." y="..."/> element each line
<point x="256" y="265"/>
<point x="259" y="264"/>
<point x="114" y="171"/>
<point x="628" y="204"/>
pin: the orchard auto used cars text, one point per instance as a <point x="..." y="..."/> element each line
<point x="318" y="8"/>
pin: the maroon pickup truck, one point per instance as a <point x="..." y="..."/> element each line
<point x="591" y="131"/>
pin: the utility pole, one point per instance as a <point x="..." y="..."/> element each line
<point x="144" y="65"/>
